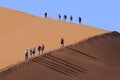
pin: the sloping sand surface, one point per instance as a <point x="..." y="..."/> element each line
<point x="20" y="31"/>
<point x="96" y="58"/>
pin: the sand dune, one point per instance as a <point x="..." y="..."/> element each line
<point x="20" y="31"/>
<point x="96" y="58"/>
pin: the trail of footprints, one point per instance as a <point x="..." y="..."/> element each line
<point x="59" y="65"/>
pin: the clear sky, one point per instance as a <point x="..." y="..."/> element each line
<point x="104" y="14"/>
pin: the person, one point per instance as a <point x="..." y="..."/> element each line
<point x="59" y="16"/>
<point x="65" y="17"/>
<point x="39" y="48"/>
<point x="62" y="42"/>
<point x="45" y="14"/>
<point x="79" y="18"/>
<point x="33" y="51"/>
<point x="26" y="54"/>
<point x="42" y="48"/>
<point x="71" y="18"/>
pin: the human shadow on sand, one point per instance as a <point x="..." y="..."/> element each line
<point x="82" y="53"/>
<point x="59" y="65"/>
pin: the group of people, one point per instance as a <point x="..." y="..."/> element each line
<point x="32" y="51"/>
<point x="65" y="17"/>
<point x="40" y="49"/>
<point x="71" y="18"/>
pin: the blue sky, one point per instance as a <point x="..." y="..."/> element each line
<point x="104" y="14"/>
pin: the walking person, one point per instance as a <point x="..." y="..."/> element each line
<point x="59" y="16"/>
<point x="79" y="18"/>
<point x="33" y="51"/>
<point x="26" y="54"/>
<point x="42" y="48"/>
<point x="39" y="49"/>
<point x="65" y="17"/>
<point x="62" y="42"/>
<point x="71" y="18"/>
<point x="45" y="14"/>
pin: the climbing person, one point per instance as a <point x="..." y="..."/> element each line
<point x="45" y="14"/>
<point x="33" y="51"/>
<point x="42" y="48"/>
<point x="79" y="18"/>
<point x="26" y="54"/>
<point x="39" y="49"/>
<point x="62" y="42"/>
<point x="71" y="18"/>
<point x="65" y="17"/>
<point x="59" y="16"/>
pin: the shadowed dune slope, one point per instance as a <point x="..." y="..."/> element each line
<point x="96" y="58"/>
<point x="20" y="31"/>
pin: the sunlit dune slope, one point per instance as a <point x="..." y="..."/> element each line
<point x="20" y="31"/>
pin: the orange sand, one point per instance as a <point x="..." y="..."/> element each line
<point x="20" y="31"/>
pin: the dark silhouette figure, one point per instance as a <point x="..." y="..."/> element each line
<point x="33" y="51"/>
<point x="42" y="48"/>
<point x="62" y="42"/>
<point x="71" y="18"/>
<point x="45" y="14"/>
<point x="59" y="16"/>
<point x="79" y="18"/>
<point x="26" y="54"/>
<point x="65" y="17"/>
<point x="39" y="49"/>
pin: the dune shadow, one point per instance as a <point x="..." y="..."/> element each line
<point x="83" y="53"/>
<point x="59" y="65"/>
<point x="66" y="63"/>
<point x="51" y="67"/>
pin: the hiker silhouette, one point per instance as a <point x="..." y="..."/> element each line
<point x="62" y="42"/>
<point x="65" y="17"/>
<point x="26" y="54"/>
<point x="79" y="18"/>
<point x="33" y="51"/>
<point x="71" y="18"/>
<point x="45" y="14"/>
<point x="39" y="49"/>
<point x="59" y="16"/>
<point x="42" y="48"/>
